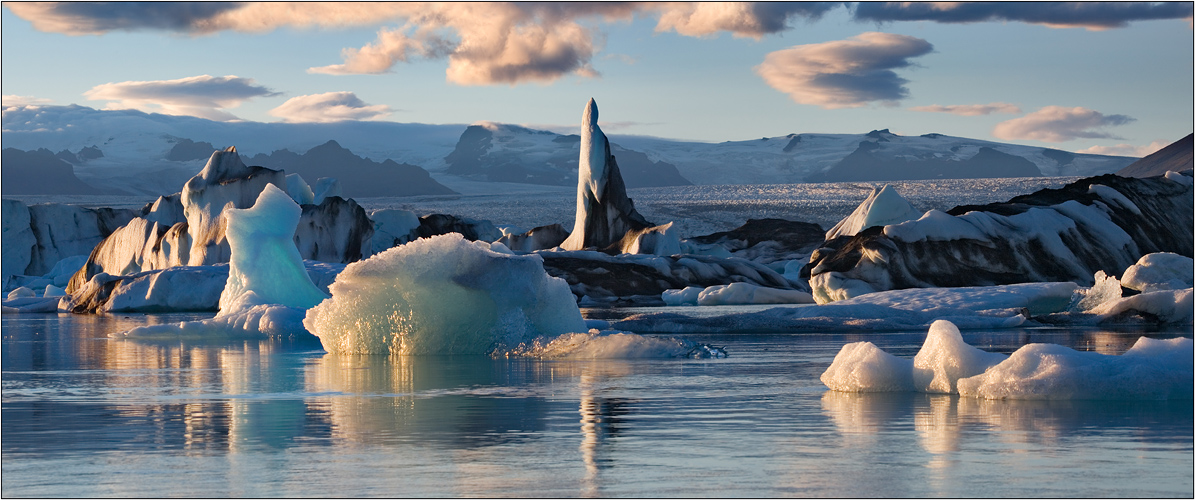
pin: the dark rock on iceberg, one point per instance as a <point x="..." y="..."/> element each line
<point x="640" y="279"/>
<point x="540" y="238"/>
<point x="1099" y="223"/>
<point x="473" y="230"/>
<point x="792" y="236"/>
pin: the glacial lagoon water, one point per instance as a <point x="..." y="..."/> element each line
<point x="86" y="415"/>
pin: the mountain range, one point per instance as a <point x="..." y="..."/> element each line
<point x="142" y="153"/>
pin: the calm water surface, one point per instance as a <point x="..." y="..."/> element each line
<point x="87" y="416"/>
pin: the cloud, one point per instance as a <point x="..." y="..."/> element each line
<point x="1126" y="149"/>
<point x="94" y="18"/>
<point x="485" y="43"/>
<point x="329" y="107"/>
<point x="1059" y="124"/>
<point x="970" y="109"/>
<point x="844" y="73"/>
<point x="203" y="96"/>
<point x="742" y="19"/>
<point x="1090" y="15"/>
<point x="23" y="100"/>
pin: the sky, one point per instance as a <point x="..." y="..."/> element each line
<point x="1101" y="77"/>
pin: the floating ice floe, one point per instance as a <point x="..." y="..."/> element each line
<point x="268" y="290"/>
<point x="1151" y="369"/>
<point x="1003" y="306"/>
<point x="613" y="345"/>
<point x="1164" y="280"/>
<point x="734" y="294"/>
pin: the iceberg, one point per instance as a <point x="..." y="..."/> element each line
<point x="442" y="295"/>
<point x="1151" y="369"/>
<point x="1067" y="234"/>
<point x="884" y="206"/>
<point x="606" y="217"/>
<point x="268" y="289"/>
<point x="1160" y="271"/>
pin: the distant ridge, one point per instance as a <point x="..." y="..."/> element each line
<point x="39" y="172"/>
<point x="359" y="177"/>
<point x="1177" y="157"/>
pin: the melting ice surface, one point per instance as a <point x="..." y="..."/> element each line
<point x="1151" y="369"/>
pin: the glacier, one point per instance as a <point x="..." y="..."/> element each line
<point x="1151" y="369"/>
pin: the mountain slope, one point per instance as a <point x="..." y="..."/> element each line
<point x="38" y="172"/>
<point x="1177" y="157"/>
<point x="359" y="177"/>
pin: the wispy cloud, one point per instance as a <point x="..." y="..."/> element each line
<point x="1059" y="124"/>
<point x="22" y="100"/>
<point x="329" y="107"/>
<point x="1090" y="15"/>
<point x="203" y="96"/>
<point x="844" y="73"/>
<point x="1126" y="149"/>
<point x="970" y="109"/>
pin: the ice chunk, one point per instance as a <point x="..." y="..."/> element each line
<point x="53" y="291"/>
<point x="264" y="257"/>
<point x="442" y="295"/>
<point x="1165" y="306"/>
<point x="1152" y="369"/>
<point x="945" y="358"/>
<point x="863" y="367"/>
<point x="21" y="292"/>
<point x="686" y="297"/>
<point x="325" y="187"/>
<point x="1160" y="271"/>
<point x="1106" y="290"/>
<point x="884" y="206"/>
<point x="298" y="190"/>
<point x="746" y="293"/>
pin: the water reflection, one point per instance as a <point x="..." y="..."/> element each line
<point x="943" y="422"/>
<point x="461" y="402"/>
<point x="602" y="418"/>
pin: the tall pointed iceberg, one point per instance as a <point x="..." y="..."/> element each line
<point x="606" y="218"/>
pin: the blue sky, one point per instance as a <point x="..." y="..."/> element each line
<point x="1106" y="78"/>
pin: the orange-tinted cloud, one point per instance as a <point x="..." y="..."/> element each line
<point x="329" y="107"/>
<point x="1059" y="124"/>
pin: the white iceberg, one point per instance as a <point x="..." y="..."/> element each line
<point x="1151" y="369"/>
<point x="884" y="206"/>
<point x="1160" y="271"/>
<point x="442" y="295"/>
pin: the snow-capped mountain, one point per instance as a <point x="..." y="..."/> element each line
<point x="136" y="147"/>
